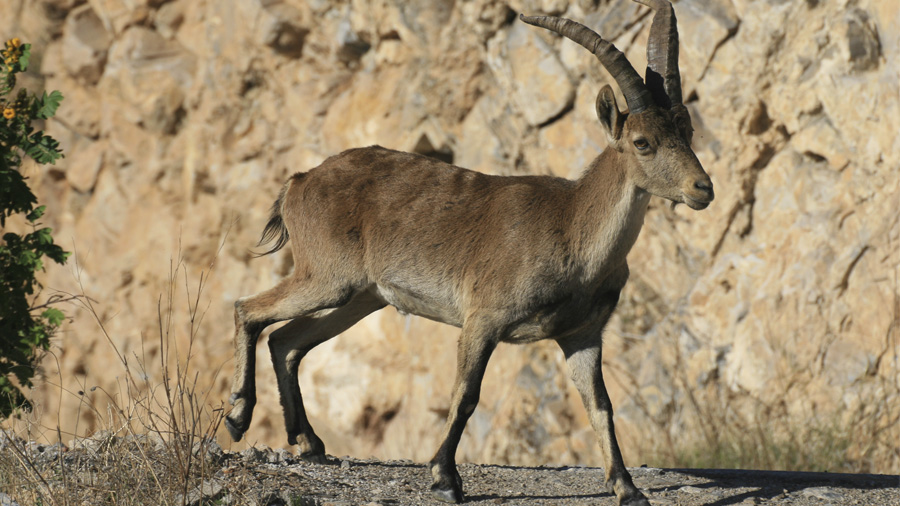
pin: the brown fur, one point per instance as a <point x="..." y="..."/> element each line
<point x="507" y="259"/>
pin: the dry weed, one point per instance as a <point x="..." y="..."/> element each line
<point x="157" y="445"/>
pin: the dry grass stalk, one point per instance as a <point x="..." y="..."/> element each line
<point x="157" y="443"/>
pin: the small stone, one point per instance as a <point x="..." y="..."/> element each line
<point x="345" y="464"/>
<point x="283" y="456"/>
<point x="8" y="438"/>
<point x="211" y="449"/>
<point x="254" y="455"/>
<point x="6" y="500"/>
<point x="98" y="442"/>
<point x="824" y="493"/>
<point x="209" y="490"/>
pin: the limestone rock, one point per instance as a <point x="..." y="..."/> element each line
<point x="863" y="42"/>
<point x="279" y="29"/>
<point x="151" y="75"/>
<point x="85" y="43"/>
<point x="85" y="166"/>
<point x="526" y="65"/>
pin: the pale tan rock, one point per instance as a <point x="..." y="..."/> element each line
<point x="85" y="43"/>
<point x="572" y="142"/>
<point x="117" y="15"/>
<point x="85" y="165"/>
<point x="526" y="66"/>
<point x="716" y="20"/>
<point x="169" y="18"/>
<point x="152" y="76"/>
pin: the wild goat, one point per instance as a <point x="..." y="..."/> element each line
<point x="507" y="259"/>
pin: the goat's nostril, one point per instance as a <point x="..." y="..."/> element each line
<point x="704" y="186"/>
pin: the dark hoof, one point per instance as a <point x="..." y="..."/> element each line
<point x="236" y="433"/>
<point x="315" y="458"/>
<point x="447" y="494"/>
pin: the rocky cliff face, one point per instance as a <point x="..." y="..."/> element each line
<point x="775" y="309"/>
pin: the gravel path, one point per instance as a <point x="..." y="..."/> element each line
<point x="133" y="470"/>
<point x="353" y="482"/>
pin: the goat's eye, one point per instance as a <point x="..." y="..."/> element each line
<point x="641" y="144"/>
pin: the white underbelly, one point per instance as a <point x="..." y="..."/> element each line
<point x="435" y="306"/>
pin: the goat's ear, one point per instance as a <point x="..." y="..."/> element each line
<point x="682" y="119"/>
<point x="609" y="115"/>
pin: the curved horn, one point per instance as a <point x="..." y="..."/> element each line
<point x="636" y="93"/>
<point x="663" y="77"/>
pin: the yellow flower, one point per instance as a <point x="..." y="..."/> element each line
<point x="9" y="113"/>
<point x="16" y="42"/>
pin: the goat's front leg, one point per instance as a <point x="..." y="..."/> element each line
<point x="473" y="352"/>
<point x="583" y="355"/>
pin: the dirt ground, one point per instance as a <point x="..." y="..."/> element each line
<point x="137" y="470"/>
<point x="371" y="482"/>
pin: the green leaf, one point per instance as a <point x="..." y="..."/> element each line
<point x="49" y="104"/>
<point x="57" y="254"/>
<point x="23" y="331"/>
<point x="43" y="148"/>
<point x="25" y="59"/>
<point x="44" y="236"/>
<point x="15" y="196"/>
<point x="37" y="213"/>
<point x="54" y="316"/>
<point x="9" y="85"/>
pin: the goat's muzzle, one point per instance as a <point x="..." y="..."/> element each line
<point x="700" y="194"/>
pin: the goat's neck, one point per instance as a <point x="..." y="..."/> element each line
<point x="608" y="215"/>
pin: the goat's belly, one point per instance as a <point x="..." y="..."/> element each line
<point x="434" y="306"/>
<point x="537" y="329"/>
<point x="557" y="323"/>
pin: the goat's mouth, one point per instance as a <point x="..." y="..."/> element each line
<point x="696" y="204"/>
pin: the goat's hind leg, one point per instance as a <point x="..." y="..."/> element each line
<point x="289" y="299"/>
<point x="289" y="344"/>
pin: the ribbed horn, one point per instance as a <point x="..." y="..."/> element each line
<point x="636" y="93"/>
<point x="663" y="78"/>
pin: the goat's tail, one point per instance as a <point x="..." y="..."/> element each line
<point x="275" y="229"/>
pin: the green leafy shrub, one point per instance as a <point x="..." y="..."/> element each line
<point x="25" y="327"/>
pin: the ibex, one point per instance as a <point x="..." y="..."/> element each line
<point x="507" y="259"/>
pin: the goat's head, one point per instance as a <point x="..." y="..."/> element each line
<point x="656" y="130"/>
